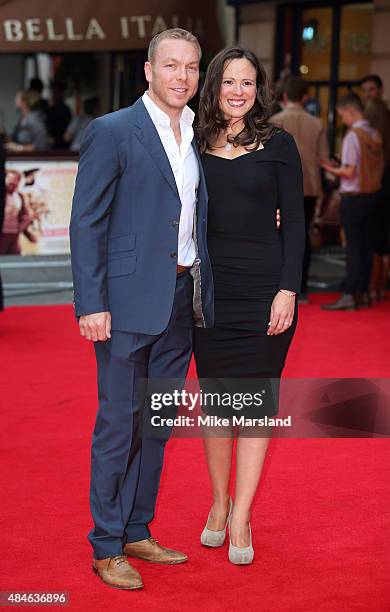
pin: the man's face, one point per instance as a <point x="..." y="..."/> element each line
<point x="173" y="74"/>
<point x="370" y="91"/>
<point x="12" y="182"/>
<point x="348" y="115"/>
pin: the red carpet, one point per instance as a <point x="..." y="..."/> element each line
<point x="321" y="517"/>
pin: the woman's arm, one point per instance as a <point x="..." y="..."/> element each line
<point x="290" y="203"/>
<point x="292" y="230"/>
<point x="19" y="148"/>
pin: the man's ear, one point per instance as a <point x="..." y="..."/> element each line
<point x="148" y="71"/>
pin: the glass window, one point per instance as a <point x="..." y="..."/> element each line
<point x="316" y="44"/>
<point x="320" y="93"/>
<point x="355" y="41"/>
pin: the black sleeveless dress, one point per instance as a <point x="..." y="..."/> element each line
<point x="251" y="259"/>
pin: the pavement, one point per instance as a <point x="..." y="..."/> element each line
<point x="47" y="279"/>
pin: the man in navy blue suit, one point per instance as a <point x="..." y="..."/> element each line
<point x="142" y="276"/>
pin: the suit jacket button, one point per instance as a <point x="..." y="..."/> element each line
<point x="175" y="223"/>
<point x="173" y="255"/>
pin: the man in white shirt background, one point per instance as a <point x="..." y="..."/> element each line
<point x="360" y="176"/>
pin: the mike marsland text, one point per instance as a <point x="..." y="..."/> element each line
<point x="214" y="421"/>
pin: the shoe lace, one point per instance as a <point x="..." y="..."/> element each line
<point x="118" y="560"/>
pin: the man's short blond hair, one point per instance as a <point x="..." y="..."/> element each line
<point x="174" y="34"/>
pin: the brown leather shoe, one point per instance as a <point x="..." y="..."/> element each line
<point x="117" y="572"/>
<point x="150" y="550"/>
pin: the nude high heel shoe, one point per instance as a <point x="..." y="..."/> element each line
<point x="241" y="556"/>
<point x="215" y="538"/>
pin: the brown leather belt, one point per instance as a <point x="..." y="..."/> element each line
<point x="181" y="269"/>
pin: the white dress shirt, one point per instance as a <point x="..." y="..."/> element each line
<point x="185" y="169"/>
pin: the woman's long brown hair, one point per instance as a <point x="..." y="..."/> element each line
<point x="257" y="128"/>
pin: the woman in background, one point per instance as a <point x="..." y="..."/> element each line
<point x="30" y="132"/>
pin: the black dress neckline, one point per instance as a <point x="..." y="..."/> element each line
<point x="234" y="158"/>
<point x="265" y="147"/>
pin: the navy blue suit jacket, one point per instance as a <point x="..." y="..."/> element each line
<point x="124" y="227"/>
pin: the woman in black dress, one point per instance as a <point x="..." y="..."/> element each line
<point x="252" y="169"/>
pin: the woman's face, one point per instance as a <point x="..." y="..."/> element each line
<point x="238" y="88"/>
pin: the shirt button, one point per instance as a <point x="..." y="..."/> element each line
<point x="173" y="255"/>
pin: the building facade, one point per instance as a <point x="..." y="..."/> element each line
<point x="332" y="44"/>
<point x="93" y="48"/>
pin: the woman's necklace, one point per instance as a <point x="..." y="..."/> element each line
<point x="230" y="143"/>
<point x="230" y="138"/>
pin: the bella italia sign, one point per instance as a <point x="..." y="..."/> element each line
<point x="87" y="25"/>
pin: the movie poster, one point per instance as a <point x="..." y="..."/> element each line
<point x="38" y="205"/>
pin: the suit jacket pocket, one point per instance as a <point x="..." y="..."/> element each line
<point x="121" y="243"/>
<point x="121" y="267"/>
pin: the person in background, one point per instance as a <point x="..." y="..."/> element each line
<point x="30" y="132"/>
<point x="378" y="114"/>
<point x="41" y="104"/>
<point x="277" y="95"/>
<point x="312" y="106"/>
<point x="310" y="137"/>
<point x="75" y="130"/>
<point x="360" y="180"/>
<point x="16" y="215"/>
<point x="58" y="118"/>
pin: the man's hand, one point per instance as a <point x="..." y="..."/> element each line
<point x="96" y="327"/>
<point x="328" y="162"/>
<point x="329" y="165"/>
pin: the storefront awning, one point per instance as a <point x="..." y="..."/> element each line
<point x="100" y="25"/>
<point x="243" y="2"/>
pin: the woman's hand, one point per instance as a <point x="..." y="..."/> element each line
<point x="282" y="313"/>
<point x="13" y="147"/>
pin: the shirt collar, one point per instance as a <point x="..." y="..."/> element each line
<point x="360" y="123"/>
<point x="159" y="117"/>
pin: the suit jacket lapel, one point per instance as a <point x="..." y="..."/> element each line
<point x="148" y="135"/>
